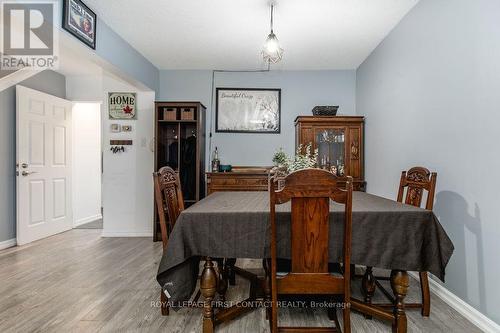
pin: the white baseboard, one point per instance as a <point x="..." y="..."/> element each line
<point x="468" y="311"/>
<point x="111" y="233"/>
<point x="8" y="243"/>
<point x="87" y="220"/>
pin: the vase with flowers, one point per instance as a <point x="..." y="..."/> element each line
<point x="304" y="158"/>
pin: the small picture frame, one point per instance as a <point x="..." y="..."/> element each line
<point x="116" y="128"/>
<point x="80" y="21"/>
<point x="126" y="128"/>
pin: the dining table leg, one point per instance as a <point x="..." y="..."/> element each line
<point x="208" y="288"/>
<point x="368" y="287"/>
<point x="230" y="263"/>
<point x="222" y="284"/>
<point x="399" y="285"/>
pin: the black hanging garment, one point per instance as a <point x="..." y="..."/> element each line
<point x="172" y="159"/>
<point x="188" y="169"/>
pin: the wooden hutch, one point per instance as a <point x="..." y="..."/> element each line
<point x="180" y="144"/>
<point x="339" y="140"/>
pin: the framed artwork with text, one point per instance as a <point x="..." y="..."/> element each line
<point x="242" y="110"/>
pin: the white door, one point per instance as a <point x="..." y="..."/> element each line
<point x="43" y="165"/>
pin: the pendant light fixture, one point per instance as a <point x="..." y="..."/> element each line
<point x="272" y="52"/>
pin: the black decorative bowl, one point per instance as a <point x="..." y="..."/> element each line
<point x="325" y="110"/>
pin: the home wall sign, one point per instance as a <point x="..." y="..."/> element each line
<point x="122" y="105"/>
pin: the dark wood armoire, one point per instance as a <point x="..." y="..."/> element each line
<point x="339" y="140"/>
<point x="180" y="144"/>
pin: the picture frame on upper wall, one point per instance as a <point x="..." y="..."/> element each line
<point x="248" y="110"/>
<point x="80" y="21"/>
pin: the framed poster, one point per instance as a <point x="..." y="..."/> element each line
<point x="80" y="21"/>
<point x="122" y="105"/>
<point x="241" y="110"/>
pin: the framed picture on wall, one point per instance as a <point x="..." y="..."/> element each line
<point x="80" y="21"/>
<point x="242" y="110"/>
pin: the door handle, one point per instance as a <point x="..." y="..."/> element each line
<point x="26" y="173"/>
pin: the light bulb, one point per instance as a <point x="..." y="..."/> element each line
<point x="271" y="50"/>
<point x="272" y="45"/>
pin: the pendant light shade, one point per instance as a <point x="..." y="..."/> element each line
<point x="272" y="52"/>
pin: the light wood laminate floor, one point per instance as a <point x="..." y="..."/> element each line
<point x="80" y="282"/>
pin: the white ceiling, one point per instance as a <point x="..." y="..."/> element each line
<point x="229" y="34"/>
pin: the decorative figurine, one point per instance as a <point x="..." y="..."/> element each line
<point x="341" y="170"/>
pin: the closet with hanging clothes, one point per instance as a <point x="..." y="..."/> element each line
<point x="180" y="144"/>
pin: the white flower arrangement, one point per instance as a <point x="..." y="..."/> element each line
<point x="300" y="161"/>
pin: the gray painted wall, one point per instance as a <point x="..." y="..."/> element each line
<point x="48" y="82"/>
<point x="300" y="92"/>
<point x="430" y="94"/>
<point x="111" y="47"/>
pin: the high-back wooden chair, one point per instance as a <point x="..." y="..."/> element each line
<point x="169" y="200"/>
<point x="169" y="204"/>
<point x="310" y="192"/>
<point x="415" y="181"/>
<point x="412" y="186"/>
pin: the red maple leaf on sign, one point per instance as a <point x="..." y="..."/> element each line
<point x="127" y="110"/>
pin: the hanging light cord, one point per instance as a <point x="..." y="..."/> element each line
<point x="212" y="97"/>
<point x="272" y="10"/>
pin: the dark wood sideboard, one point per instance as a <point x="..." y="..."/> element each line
<point x="239" y="179"/>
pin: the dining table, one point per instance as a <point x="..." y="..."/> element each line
<point x="385" y="234"/>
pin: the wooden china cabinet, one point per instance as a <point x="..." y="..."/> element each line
<point x="339" y="140"/>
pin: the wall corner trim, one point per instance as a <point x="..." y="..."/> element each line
<point x="8" y="243"/>
<point x="469" y="312"/>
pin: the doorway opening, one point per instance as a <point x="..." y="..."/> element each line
<point x="87" y="166"/>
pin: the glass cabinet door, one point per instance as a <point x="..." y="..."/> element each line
<point x="331" y="149"/>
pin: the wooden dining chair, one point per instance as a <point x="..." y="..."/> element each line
<point x="169" y="200"/>
<point x="169" y="204"/>
<point x="310" y="192"/>
<point x="412" y="186"/>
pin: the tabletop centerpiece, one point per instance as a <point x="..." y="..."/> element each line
<point x="284" y="164"/>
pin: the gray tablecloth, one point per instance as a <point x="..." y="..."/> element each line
<point x="385" y="234"/>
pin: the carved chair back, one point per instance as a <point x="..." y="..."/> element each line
<point x="169" y="200"/>
<point x="415" y="181"/>
<point x="310" y="192"/>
